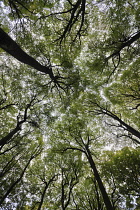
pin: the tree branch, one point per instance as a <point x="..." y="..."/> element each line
<point x="105" y="111"/>
<point x="9" y="136"/>
<point x="124" y="44"/>
<point x="11" y="47"/>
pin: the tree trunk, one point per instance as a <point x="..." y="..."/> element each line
<point x="44" y="191"/>
<point x="11" y="47"/>
<point x="130" y="129"/>
<point x="42" y="197"/>
<point x="9" y="136"/>
<point x="99" y="181"/>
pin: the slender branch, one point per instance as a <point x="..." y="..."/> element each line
<point x="126" y="43"/>
<point x="71" y="148"/>
<point x="105" y="111"/>
<point x="16" y="182"/>
<point x="44" y="191"/>
<point x="11" y="2"/>
<point x="78" y="8"/>
<point x="10" y="135"/>
<point x="6" y="106"/>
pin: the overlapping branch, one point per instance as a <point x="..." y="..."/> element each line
<point x="12" y="133"/>
<point x="126" y="43"/>
<point x="100" y="110"/>
<point x="116" y="55"/>
<point x="77" y="10"/>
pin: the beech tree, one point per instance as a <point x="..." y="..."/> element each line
<point x="69" y="91"/>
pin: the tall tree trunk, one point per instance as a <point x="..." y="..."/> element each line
<point x="99" y="181"/>
<point x="11" y="47"/>
<point x="42" y="197"/>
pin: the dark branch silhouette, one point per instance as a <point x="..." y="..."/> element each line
<point x="44" y="191"/>
<point x="86" y="150"/>
<point x="104" y="111"/>
<point x="10" y="135"/>
<point x="77" y="11"/>
<point x="116" y="55"/>
<point x="6" y="106"/>
<point x="125" y="43"/>
<point x="11" y="47"/>
<point x="34" y="154"/>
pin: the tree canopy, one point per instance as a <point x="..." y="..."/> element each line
<point x="69" y="104"/>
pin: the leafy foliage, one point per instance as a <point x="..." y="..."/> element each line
<point x="69" y="91"/>
<point x="121" y="170"/>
